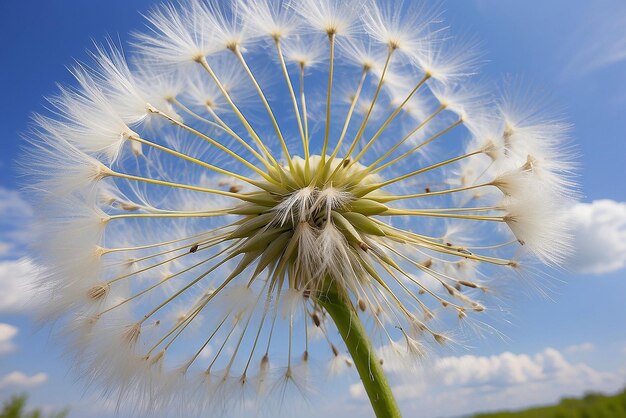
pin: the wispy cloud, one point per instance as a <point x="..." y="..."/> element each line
<point x="20" y="380"/>
<point x="599" y="231"/>
<point x="600" y="41"/>
<point x="580" y="348"/>
<point x="7" y="333"/>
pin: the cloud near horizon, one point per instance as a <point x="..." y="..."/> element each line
<point x="19" y="380"/>
<point x="459" y="385"/>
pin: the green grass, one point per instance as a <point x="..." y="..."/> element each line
<point x="591" y="405"/>
<point x="16" y="407"/>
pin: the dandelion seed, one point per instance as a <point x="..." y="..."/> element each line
<point x="196" y="222"/>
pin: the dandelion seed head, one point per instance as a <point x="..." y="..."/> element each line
<point x="193" y="214"/>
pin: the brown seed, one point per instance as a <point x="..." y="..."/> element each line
<point x="428" y="263"/>
<point x="362" y="305"/>
<point x="363" y="246"/>
<point x="427" y="189"/>
<point x="131" y="335"/>
<point x="316" y="319"/>
<point x="468" y="284"/>
<point x="235" y="189"/>
<point x="335" y="350"/>
<point x="194" y="248"/>
<point x="346" y="162"/>
<point x="129" y="206"/>
<point x="158" y="357"/>
<point x="98" y="292"/>
<point x="440" y="338"/>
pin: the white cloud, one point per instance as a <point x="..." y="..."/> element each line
<point x="599" y="231"/>
<point x="7" y="333"/>
<point x="357" y="391"/>
<point x="506" y="368"/>
<point x="20" y="380"/>
<point x="15" y="224"/>
<point x="461" y="385"/>
<point x="17" y="279"/>
<point x="206" y="352"/>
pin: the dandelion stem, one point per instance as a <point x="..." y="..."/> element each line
<point x="338" y="305"/>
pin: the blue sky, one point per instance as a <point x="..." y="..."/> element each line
<point x="576" y="51"/>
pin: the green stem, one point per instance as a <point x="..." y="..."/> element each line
<point x="340" y="308"/>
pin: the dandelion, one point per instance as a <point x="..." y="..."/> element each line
<point x="258" y="180"/>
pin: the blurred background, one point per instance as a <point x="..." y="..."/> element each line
<point x="565" y="344"/>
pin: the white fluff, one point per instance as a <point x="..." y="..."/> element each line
<point x="180" y="263"/>
<point x="329" y="16"/>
